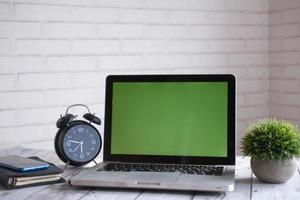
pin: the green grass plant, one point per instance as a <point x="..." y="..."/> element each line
<point x="271" y="139"/>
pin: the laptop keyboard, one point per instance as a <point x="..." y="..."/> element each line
<point x="146" y="167"/>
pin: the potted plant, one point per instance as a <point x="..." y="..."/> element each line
<point x="272" y="145"/>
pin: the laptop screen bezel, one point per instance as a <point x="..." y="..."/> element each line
<point x="229" y="160"/>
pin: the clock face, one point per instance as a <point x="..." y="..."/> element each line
<point x="81" y="143"/>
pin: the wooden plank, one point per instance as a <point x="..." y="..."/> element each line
<point x="63" y="191"/>
<point x="59" y="191"/>
<point x="104" y="194"/>
<point x="243" y="180"/>
<point x="165" y="195"/>
<point x="289" y="190"/>
<point x="28" y="193"/>
<point x="247" y="186"/>
<point x="242" y="184"/>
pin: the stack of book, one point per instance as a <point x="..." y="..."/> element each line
<point x="14" y="179"/>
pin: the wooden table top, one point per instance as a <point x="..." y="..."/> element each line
<point x="247" y="186"/>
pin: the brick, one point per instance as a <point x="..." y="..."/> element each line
<point x="19" y="29"/>
<point x="187" y="70"/>
<point x="84" y="79"/>
<point x="275" y="85"/>
<point x="208" y="32"/>
<point x="290" y="71"/>
<point x="261" y="72"/>
<point x="242" y="100"/>
<point x="257" y="45"/>
<point x="291" y="99"/>
<point x="247" y="59"/>
<point x="207" y="5"/>
<point x="209" y="60"/>
<point x="121" y="62"/>
<point x="143" y="46"/>
<point x="40" y="115"/>
<point x="7" y="82"/>
<point x="284" y="16"/>
<point x="274" y="18"/>
<point x="7" y="117"/>
<point x="167" y="4"/>
<point x="282" y="5"/>
<point x="5" y="11"/>
<point x="95" y="46"/>
<point x="156" y="46"/>
<point x="285" y="85"/>
<point x="122" y="3"/>
<point x="257" y="18"/>
<point x="252" y="86"/>
<point x="41" y="47"/>
<point x="164" y="31"/>
<point x="165" y="61"/>
<point x="243" y="5"/>
<point x="100" y="94"/>
<point x="285" y="112"/>
<point x="13" y="64"/>
<point x="21" y="99"/>
<point x="227" y="18"/>
<point x="42" y="12"/>
<point x="145" y="71"/>
<point x="242" y="32"/>
<point x="291" y="44"/>
<point x="4" y="47"/>
<point x="284" y="58"/>
<point x="188" y="17"/>
<point x="284" y="30"/>
<point x="275" y="44"/>
<point x="239" y="72"/>
<point x="70" y="96"/>
<point x="290" y="16"/>
<point x="70" y="30"/>
<point x="188" y="46"/>
<point x="226" y="45"/>
<point x="275" y="98"/>
<point x="143" y="16"/>
<point x="45" y="80"/>
<point x="71" y="63"/>
<point x="121" y="30"/>
<point x="253" y="112"/>
<point x="45" y="144"/>
<point x="95" y="14"/>
<point x="258" y="99"/>
<point x="133" y="46"/>
<point x="241" y="127"/>
<point x="50" y="2"/>
<point x="276" y="72"/>
<point x="81" y="2"/>
<point x="236" y="5"/>
<point x="23" y="134"/>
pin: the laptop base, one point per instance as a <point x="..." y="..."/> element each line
<point x="155" y="180"/>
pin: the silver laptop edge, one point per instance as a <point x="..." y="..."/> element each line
<point x="92" y="177"/>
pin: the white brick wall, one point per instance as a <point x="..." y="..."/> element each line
<point x="285" y="59"/>
<point x="57" y="52"/>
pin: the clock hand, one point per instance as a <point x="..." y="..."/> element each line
<point x="76" y="148"/>
<point x="77" y="142"/>
<point x="81" y="143"/>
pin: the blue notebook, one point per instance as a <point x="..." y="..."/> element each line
<point x="11" y="179"/>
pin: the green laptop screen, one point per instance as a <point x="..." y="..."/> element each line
<point x="169" y="118"/>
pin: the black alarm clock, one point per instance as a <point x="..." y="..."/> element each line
<point x="77" y="142"/>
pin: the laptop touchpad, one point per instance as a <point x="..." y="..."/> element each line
<point x="153" y="176"/>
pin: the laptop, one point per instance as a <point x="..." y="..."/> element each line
<point x="174" y="132"/>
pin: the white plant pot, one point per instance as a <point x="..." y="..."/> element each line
<point x="273" y="171"/>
